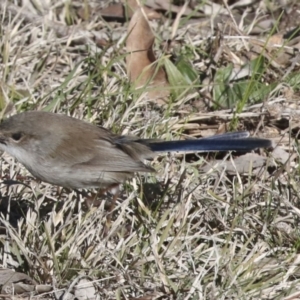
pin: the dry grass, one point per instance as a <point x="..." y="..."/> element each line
<point x="177" y="234"/>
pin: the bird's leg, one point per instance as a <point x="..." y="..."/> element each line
<point x="92" y="200"/>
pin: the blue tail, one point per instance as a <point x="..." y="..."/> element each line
<point x="233" y="141"/>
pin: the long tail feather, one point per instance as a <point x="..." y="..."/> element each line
<point x="236" y="141"/>
<point x="229" y="136"/>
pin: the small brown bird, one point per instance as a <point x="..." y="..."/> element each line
<point x="74" y="154"/>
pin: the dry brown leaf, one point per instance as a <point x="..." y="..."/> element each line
<point x="142" y="68"/>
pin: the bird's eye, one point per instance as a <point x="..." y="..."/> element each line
<point x="16" y="136"/>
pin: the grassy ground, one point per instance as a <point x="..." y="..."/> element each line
<point x="186" y="232"/>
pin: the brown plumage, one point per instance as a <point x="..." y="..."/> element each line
<point x="71" y="153"/>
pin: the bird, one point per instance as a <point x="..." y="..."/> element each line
<point x="71" y="153"/>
